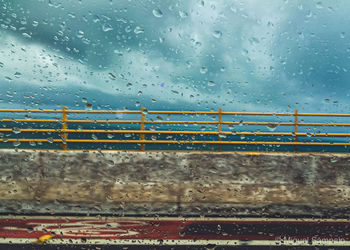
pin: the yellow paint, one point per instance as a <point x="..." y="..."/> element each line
<point x="43" y="239"/>
<point x="64" y="131"/>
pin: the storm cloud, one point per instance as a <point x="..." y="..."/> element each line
<point x="194" y="54"/>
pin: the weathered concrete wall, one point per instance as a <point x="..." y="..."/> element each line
<point x="174" y="183"/>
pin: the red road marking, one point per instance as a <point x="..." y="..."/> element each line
<point x="31" y="227"/>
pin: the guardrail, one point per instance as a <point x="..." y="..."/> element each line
<point x="223" y="136"/>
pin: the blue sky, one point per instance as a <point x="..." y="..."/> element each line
<point x="251" y="55"/>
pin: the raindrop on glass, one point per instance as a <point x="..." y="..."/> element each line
<point x="16" y="130"/>
<point x="107" y="27"/>
<point x="272" y="127"/>
<point x="183" y="14"/>
<point x="217" y="34"/>
<point x="157" y="13"/>
<point x="138" y="30"/>
<point x="211" y="83"/>
<point x="203" y="70"/>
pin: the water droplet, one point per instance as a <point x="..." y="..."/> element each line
<point x="32" y="143"/>
<point x="138" y="30"/>
<point x="198" y="44"/>
<point x="112" y="76"/>
<point x="157" y="13"/>
<point x="88" y="106"/>
<point x="16" y="130"/>
<point x="183" y="14"/>
<point x="342" y="35"/>
<point x="94" y="137"/>
<point x="96" y="19"/>
<point x="217" y="34"/>
<point x="50" y="140"/>
<point x="319" y="5"/>
<point x="222" y="135"/>
<point x="118" y="52"/>
<point x="16" y="143"/>
<point x="200" y="3"/>
<point x="107" y="27"/>
<point x="334" y="160"/>
<point x="17" y="74"/>
<point x="71" y="15"/>
<point x="203" y="70"/>
<point x="80" y="33"/>
<point x="272" y="127"/>
<point x="26" y="35"/>
<point x="110" y="163"/>
<point x="128" y="29"/>
<point x="127" y="135"/>
<point x="211" y="83"/>
<point x="110" y="136"/>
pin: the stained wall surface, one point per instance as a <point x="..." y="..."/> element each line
<point x="123" y="183"/>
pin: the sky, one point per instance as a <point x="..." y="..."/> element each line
<point x="249" y="55"/>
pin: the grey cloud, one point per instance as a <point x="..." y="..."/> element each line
<point x="253" y="55"/>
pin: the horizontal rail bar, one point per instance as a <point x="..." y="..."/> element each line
<point x="183" y="142"/>
<point x="103" y="121"/>
<point x="324" y="124"/>
<point x="315" y="114"/>
<point x="215" y="142"/>
<point x="180" y="122"/>
<point x="31" y="110"/>
<point x="69" y="111"/>
<point x="104" y="111"/>
<point x="97" y="131"/>
<point x="30" y="120"/>
<point x="167" y="112"/>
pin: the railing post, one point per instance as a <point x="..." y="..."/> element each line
<point x="64" y="127"/>
<point x="142" y="127"/>
<point x="219" y="128"/>
<point x="295" y="130"/>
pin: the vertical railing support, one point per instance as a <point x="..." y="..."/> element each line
<point x="295" y="130"/>
<point x="219" y="128"/>
<point x="64" y="127"/>
<point x="142" y="127"/>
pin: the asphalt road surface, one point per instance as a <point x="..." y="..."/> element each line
<point x="73" y="232"/>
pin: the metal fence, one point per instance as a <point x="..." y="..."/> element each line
<point x="140" y="123"/>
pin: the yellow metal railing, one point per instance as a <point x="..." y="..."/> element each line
<point x="64" y="120"/>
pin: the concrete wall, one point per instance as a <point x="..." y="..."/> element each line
<point x="174" y="183"/>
